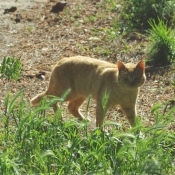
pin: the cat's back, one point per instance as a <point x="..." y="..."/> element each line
<point x="82" y="60"/>
<point x="84" y="75"/>
<point x="83" y="65"/>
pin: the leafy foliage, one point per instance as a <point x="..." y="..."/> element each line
<point x="10" y="68"/>
<point x="33" y="142"/>
<point x="162" y="39"/>
<point x="136" y="13"/>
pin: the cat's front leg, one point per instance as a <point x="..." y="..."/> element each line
<point x="130" y="112"/>
<point x="55" y="107"/>
<point x="100" y="114"/>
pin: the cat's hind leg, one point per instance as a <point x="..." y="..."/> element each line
<point x="36" y="100"/>
<point x="74" y="105"/>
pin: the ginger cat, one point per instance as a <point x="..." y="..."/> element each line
<point x="87" y="76"/>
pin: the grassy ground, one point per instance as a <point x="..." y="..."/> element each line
<point x="35" y="141"/>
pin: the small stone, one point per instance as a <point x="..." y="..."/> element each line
<point x="58" y="7"/>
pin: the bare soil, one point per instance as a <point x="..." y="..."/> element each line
<point x="44" y="34"/>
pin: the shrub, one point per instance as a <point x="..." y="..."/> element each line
<point x="136" y="13"/>
<point x="162" y="39"/>
<point x="10" y="68"/>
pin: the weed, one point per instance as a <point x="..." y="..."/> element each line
<point x="77" y="24"/>
<point x="91" y="18"/>
<point x="82" y="48"/>
<point x="31" y="143"/>
<point x="110" y="4"/>
<point x="111" y="34"/>
<point x="162" y="50"/>
<point x="136" y="14"/>
<point x="10" y="68"/>
<point x="102" y="51"/>
<point x="29" y="29"/>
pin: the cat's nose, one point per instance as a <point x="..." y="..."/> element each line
<point x="131" y="84"/>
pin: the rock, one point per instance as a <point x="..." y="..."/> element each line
<point x="18" y="18"/>
<point x="12" y="9"/>
<point x="58" y="7"/>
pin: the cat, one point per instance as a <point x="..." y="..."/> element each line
<point x="88" y="76"/>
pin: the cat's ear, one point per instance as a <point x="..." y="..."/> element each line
<point x="120" y="65"/>
<point x="141" y="65"/>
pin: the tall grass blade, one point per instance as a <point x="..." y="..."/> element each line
<point x="156" y="127"/>
<point x="63" y="97"/>
<point x="12" y="103"/>
<point x="105" y="100"/>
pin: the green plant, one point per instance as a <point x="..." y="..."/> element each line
<point x="77" y="24"/>
<point x="33" y="142"/>
<point x="91" y="18"/>
<point x="110" y="33"/>
<point x="29" y="29"/>
<point x="10" y="68"/>
<point x="162" y="39"/>
<point x="136" y="13"/>
<point x="110" y="4"/>
<point x="102" y="51"/>
<point x="105" y="100"/>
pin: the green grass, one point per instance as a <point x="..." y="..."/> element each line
<point x="33" y="142"/>
<point x="10" y="68"/>
<point x="91" y="18"/>
<point x="162" y="43"/>
<point x="110" y="4"/>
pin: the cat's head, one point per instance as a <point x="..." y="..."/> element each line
<point x="131" y="75"/>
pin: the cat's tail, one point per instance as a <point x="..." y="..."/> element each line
<point x="36" y="100"/>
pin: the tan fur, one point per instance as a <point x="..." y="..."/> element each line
<point x="86" y="76"/>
